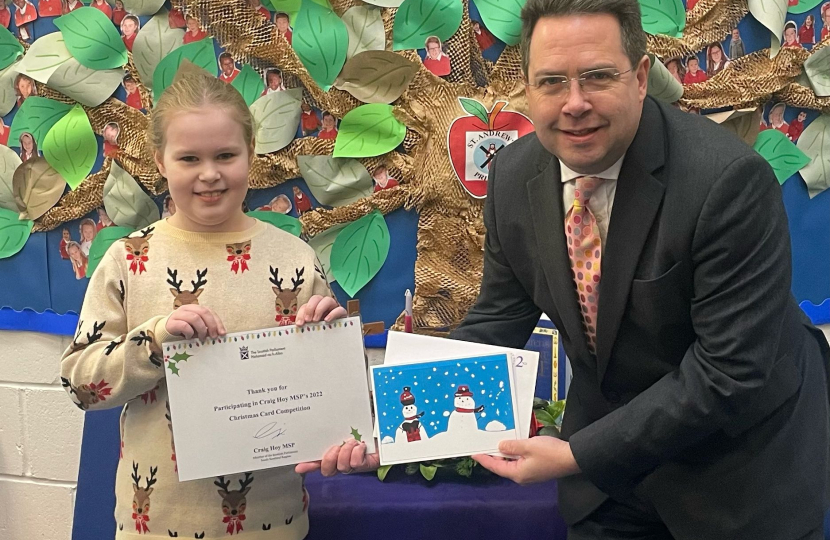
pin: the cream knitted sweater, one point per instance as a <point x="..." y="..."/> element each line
<point x="252" y="279"/>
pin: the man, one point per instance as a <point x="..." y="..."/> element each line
<point x="736" y="45"/>
<point x="658" y="245"/>
<point x="693" y="72"/>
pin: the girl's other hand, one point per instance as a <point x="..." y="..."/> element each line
<point x="193" y="320"/>
<point x="319" y="308"/>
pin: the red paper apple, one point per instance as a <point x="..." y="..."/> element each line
<point x="475" y="140"/>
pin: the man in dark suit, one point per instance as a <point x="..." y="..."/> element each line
<point x="658" y="245"/>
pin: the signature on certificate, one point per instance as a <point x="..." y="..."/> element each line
<point x="270" y="431"/>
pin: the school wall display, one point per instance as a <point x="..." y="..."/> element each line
<point x="376" y="122"/>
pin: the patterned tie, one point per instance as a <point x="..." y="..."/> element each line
<point x="584" y="249"/>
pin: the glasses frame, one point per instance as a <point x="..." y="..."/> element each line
<point x="565" y="84"/>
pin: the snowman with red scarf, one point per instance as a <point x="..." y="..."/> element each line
<point x="411" y="429"/>
<point x="463" y="418"/>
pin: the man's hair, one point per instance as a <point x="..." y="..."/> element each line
<point x="225" y="55"/>
<point x="627" y="13"/>
<point x="282" y="15"/>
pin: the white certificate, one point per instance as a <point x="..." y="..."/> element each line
<point x="267" y="398"/>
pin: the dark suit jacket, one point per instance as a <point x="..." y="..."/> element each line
<point x="708" y="393"/>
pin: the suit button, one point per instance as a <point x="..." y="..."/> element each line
<point x="613" y="397"/>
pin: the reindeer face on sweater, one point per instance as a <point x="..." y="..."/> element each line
<point x="287" y="300"/>
<point x="138" y="246"/>
<point x="183" y="298"/>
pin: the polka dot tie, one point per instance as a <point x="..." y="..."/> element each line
<point x="584" y="249"/>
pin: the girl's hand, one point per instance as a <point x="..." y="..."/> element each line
<point x="193" y="320"/>
<point x="348" y="458"/>
<point x="319" y="308"/>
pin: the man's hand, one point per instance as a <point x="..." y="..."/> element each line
<point x="347" y="458"/>
<point x="538" y="459"/>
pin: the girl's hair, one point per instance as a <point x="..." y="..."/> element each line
<point x="75" y="244"/>
<point x="85" y="222"/>
<point x="194" y="88"/>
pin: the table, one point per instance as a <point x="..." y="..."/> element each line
<point x="351" y="506"/>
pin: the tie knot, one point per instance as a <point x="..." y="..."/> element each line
<point x="585" y="186"/>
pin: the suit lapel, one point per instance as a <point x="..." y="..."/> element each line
<point x="636" y="202"/>
<point x="545" y="195"/>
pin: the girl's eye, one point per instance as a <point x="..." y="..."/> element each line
<point x="188" y="159"/>
<point x="226" y="155"/>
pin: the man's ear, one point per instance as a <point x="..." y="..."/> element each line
<point x="157" y="157"/>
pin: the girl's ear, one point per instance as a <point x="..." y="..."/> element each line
<point x="159" y="163"/>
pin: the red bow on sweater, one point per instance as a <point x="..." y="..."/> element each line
<point x="141" y="523"/>
<point x="285" y="320"/>
<point x="239" y="262"/>
<point x="138" y="263"/>
<point x="234" y="521"/>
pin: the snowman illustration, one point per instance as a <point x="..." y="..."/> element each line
<point x="411" y="428"/>
<point x="463" y="418"/>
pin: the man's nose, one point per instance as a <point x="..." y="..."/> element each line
<point x="575" y="102"/>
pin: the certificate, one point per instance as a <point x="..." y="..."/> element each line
<point x="267" y="398"/>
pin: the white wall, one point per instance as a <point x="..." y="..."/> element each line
<point x="40" y="438"/>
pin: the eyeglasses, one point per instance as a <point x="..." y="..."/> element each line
<point x="591" y="82"/>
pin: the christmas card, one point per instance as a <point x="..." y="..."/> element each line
<point x="444" y="408"/>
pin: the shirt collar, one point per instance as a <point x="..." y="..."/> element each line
<point x="611" y="173"/>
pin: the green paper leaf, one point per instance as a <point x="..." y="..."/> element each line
<point x="365" y="27"/>
<point x="249" y="83"/>
<point x="817" y="71"/>
<point x="784" y="157"/>
<point x="377" y="76"/>
<point x="359" y="252"/>
<point x="14" y="232"/>
<point x="37" y="115"/>
<point x="335" y="181"/>
<point x="356" y="434"/>
<point x="803" y="6"/>
<point x="126" y="203"/>
<point x="44" y="57"/>
<point x="288" y="224"/>
<point x="277" y="116"/>
<point x="661" y="84"/>
<point x="321" y="40"/>
<point x="322" y="244"/>
<point x="383" y="471"/>
<point x="416" y="20"/>
<point x="815" y="143"/>
<point x="155" y="41"/>
<point x="771" y="14"/>
<point x="201" y="53"/>
<point x="745" y="123"/>
<point x="37" y="188"/>
<point x="9" y="162"/>
<point x="663" y="17"/>
<point x="92" y="38"/>
<point x="476" y="109"/>
<point x="368" y="131"/>
<point x="143" y="7"/>
<point x="89" y="87"/>
<point x="8" y="98"/>
<point x="502" y="18"/>
<point x="102" y="242"/>
<point x="70" y="146"/>
<point x="10" y="48"/>
<point x="173" y="368"/>
<point x="428" y="471"/>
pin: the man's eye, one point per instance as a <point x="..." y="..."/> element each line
<point x="552" y="81"/>
<point x="598" y="76"/>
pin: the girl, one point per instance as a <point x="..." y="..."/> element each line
<point x="791" y="35"/>
<point x="88" y="231"/>
<point x="103" y="7"/>
<point x="24" y="86"/>
<point x="825" y="17"/>
<point x="118" y="13"/>
<point x="77" y="258"/>
<point x="201" y="135"/>
<point x="129" y="29"/>
<point x="329" y="130"/>
<point x="273" y="82"/>
<point x="28" y="147"/>
<point x="716" y="59"/>
<point x="194" y="31"/>
<point x="807" y="32"/>
<point x="24" y="16"/>
<point x="51" y="8"/>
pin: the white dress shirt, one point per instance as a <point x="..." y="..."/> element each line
<point x="601" y="201"/>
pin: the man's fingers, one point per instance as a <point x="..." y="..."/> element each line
<point x="514" y="448"/>
<point x="344" y="457"/>
<point x="302" y="468"/>
<point x="328" y="467"/>
<point x="499" y="466"/>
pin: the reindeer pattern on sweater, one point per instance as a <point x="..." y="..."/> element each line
<point x="116" y="359"/>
